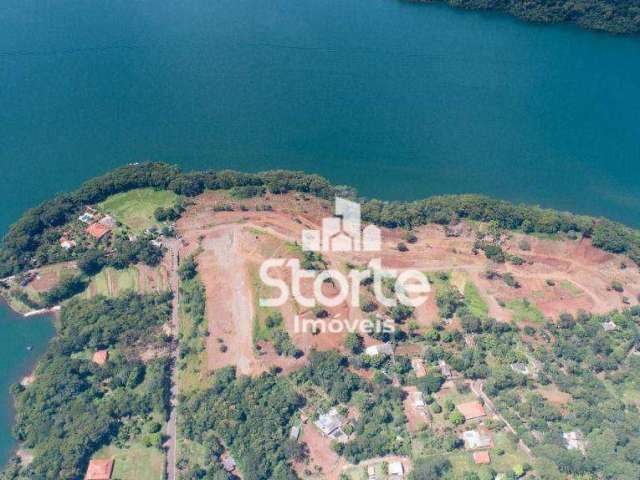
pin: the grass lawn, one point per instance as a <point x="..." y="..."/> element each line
<point x="360" y="473"/>
<point x="111" y="282"/>
<point x="135" y="208"/>
<point x="525" y="310"/>
<point x="474" y="301"/>
<point x="261" y="332"/>
<point x="137" y="462"/>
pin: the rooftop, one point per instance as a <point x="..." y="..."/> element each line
<point x="476" y="439"/>
<point x="482" y="458"/>
<point x="471" y="410"/>
<point x="101" y="357"/>
<point x="396" y="468"/>
<point x="383" y="348"/>
<point x="99" y="469"/>
<point x="97" y="230"/>
<point x="329" y="422"/>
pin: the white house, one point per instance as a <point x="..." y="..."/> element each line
<point x="381" y="349"/>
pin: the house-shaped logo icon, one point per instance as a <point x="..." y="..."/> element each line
<point x="343" y="232"/>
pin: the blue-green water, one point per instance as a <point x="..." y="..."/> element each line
<point x="22" y="341"/>
<point x="399" y="100"/>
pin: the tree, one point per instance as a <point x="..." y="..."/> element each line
<point x="354" y="343"/>
<point x="430" y="383"/>
<point x="456" y="417"/>
<point x="430" y="469"/>
<point x="91" y="261"/>
<point x="188" y="268"/>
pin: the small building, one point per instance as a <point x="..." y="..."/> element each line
<point x="445" y="370"/>
<point x="97" y="230"/>
<point x="100" y="357"/>
<point x="294" y="434"/>
<point x="476" y="439"/>
<point x="574" y="440"/>
<point x="520" y="368"/>
<point x="99" y="469"/>
<point x="382" y="349"/>
<point x="108" y="221"/>
<point x="609" y="326"/>
<point x="228" y="463"/>
<point x="330" y="423"/>
<point x="396" y="470"/>
<point x="481" y="458"/>
<point x="471" y="410"/>
<point x="418" y="367"/>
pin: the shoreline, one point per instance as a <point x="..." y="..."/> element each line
<point x="25" y="375"/>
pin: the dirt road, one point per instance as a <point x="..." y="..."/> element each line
<point x="171" y="432"/>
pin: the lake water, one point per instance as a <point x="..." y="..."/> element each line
<point x="400" y="100"/>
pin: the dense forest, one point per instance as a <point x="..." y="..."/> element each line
<point x="39" y="227"/>
<point x="251" y="416"/>
<point x="75" y="406"/>
<point x="616" y="16"/>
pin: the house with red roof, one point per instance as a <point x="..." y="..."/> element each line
<point x="471" y="410"/>
<point x="99" y="469"/>
<point x="98" y="230"/>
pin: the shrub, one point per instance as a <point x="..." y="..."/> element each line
<point x="617" y="286"/>
<point x="510" y="280"/>
<point x="524" y="245"/>
<point x="410" y="237"/>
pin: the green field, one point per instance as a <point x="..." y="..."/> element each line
<point x="474" y="301"/>
<point x="111" y="282"/>
<point x="136" y="461"/>
<point x="524" y="310"/>
<point x="135" y="208"/>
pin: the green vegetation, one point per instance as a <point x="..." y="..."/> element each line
<point x="32" y="241"/>
<point x="110" y="282"/>
<point x="617" y="16"/>
<point x="134" y="461"/>
<point x="193" y="327"/>
<point x="76" y="407"/>
<point x="250" y="416"/>
<point x="473" y="301"/>
<point x="524" y="310"/>
<point x="136" y="208"/>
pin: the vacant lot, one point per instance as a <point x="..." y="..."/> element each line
<point x="136" y="461"/>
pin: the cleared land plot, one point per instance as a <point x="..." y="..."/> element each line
<point x="111" y="282"/>
<point x="135" y="208"/>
